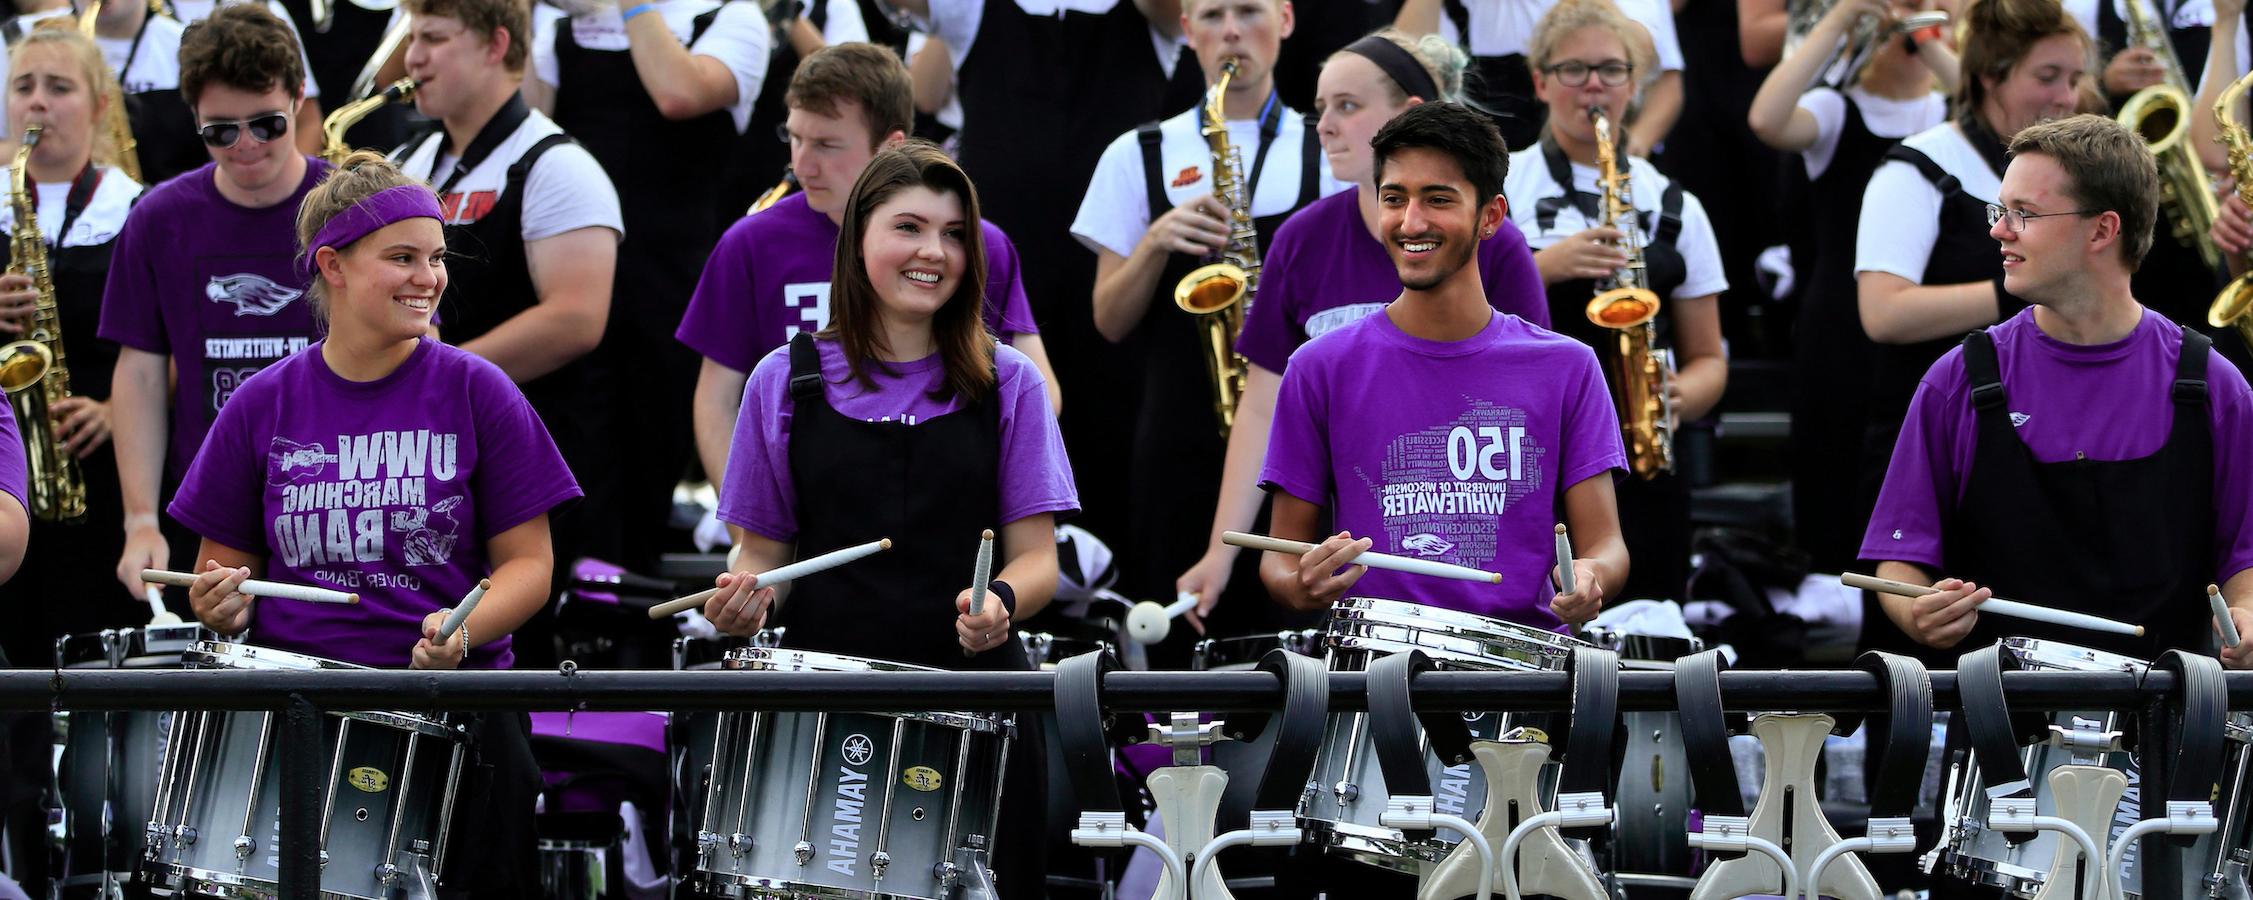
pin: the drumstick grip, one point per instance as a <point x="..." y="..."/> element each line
<point x="1371" y="559"/>
<point x="1999" y="606"/>
<point x="793" y="571"/>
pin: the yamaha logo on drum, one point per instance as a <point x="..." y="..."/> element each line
<point x="858" y="749"/>
<point x="851" y="796"/>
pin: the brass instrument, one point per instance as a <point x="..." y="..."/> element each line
<point x="113" y="122"/>
<point x="333" y="147"/>
<point x="1220" y="292"/>
<point x="782" y="189"/>
<point x="32" y="370"/>
<point x="2161" y="115"/>
<point x="2235" y="301"/>
<point x="1625" y="303"/>
<point x="1861" y="41"/>
<point x="394" y="36"/>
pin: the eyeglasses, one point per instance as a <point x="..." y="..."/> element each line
<point x="2019" y="217"/>
<point x="262" y="129"/>
<point x="1575" y="73"/>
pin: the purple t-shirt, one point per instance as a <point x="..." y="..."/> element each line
<point x="388" y="488"/>
<point x="211" y="284"/>
<point x="769" y="279"/>
<point x="1323" y="270"/>
<point x="758" y="493"/>
<point x="1455" y="451"/>
<point x="2105" y="403"/>
<point x="14" y="478"/>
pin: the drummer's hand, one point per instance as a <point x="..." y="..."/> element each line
<point x="2240" y="656"/>
<point x="217" y="600"/>
<point x="429" y="654"/>
<point x="984" y="631"/>
<point x="737" y="609"/>
<point x="1319" y="575"/>
<point x="1206" y="579"/>
<point x="1942" y="618"/>
<point x="1579" y="606"/>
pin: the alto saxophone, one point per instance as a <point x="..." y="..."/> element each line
<point x="2232" y="306"/>
<point x="32" y="370"/>
<point x="333" y="147"/>
<point x="2160" y="114"/>
<point x="1641" y="373"/>
<point x="1222" y="291"/>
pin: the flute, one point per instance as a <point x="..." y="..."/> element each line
<point x="1371" y="559"/>
<point x="1998" y="606"/>
<point x="257" y="588"/>
<point x="791" y="572"/>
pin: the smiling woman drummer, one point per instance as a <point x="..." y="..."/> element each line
<point x="386" y="463"/>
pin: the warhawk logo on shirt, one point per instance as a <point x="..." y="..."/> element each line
<point x="464" y="208"/>
<point x="252" y="295"/>
<point x="1189" y="175"/>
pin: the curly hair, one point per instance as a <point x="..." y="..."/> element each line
<point x="242" y="46"/>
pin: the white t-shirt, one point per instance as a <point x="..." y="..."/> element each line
<point x="96" y="225"/>
<point x="2188" y="14"/>
<point x="565" y="191"/>
<point x="1116" y="210"/>
<point x="1901" y="208"/>
<point x="1504" y="27"/>
<point x="950" y="113"/>
<point x="1884" y="116"/>
<point x="1529" y="183"/>
<point x="956" y="22"/>
<point x="842" y="22"/>
<point x="738" y="38"/>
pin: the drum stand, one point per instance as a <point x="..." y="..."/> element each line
<point x="1787" y="817"/>
<point x="1533" y="857"/>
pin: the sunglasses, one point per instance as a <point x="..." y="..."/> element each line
<point x="262" y="129"/>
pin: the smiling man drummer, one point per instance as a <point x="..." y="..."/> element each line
<point x="1475" y="474"/>
<point x="2067" y="456"/>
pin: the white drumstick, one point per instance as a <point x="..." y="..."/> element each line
<point x="791" y="572"/>
<point x="2222" y="615"/>
<point x="257" y="588"/>
<point x="979" y="576"/>
<point x="1372" y="560"/>
<point x="1149" y="623"/>
<point x="1564" y="560"/>
<point x="461" y="611"/>
<point x="1999" y="606"/>
<point x="158" y="615"/>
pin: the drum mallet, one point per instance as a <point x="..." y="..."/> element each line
<point x="1373" y="560"/>
<point x="256" y="588"/>
<point x="461" y="611"/>
<point x="1148" y="622"/>
<point x="1564" y="561"/>
<point x="158" y="615"/>
<point x="791" y="572"/>
<point x="980" y="576"/>
<point x="2222" y="618"/>
<point x="1998" y="606"/>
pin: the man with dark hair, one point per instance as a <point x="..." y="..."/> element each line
<point x="2084" y="452"/>
<point x="204" y="277"/>
<point x="532" y="226"/>
<point x="658" y="91"/>
<point x="769" y="277"/>
<point x="1475" y="474"/>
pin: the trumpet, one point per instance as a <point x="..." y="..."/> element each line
<point x="1861" y="41"/>
<point x="2232" y="305"/>
<point x="1220" y="292"/>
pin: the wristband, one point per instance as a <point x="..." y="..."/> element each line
<point x="636" y="10"/>
<point x="1007" y="595"/>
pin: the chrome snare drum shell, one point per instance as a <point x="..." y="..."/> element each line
<point x="1449" y="637"/>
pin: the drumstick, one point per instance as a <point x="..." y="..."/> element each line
<point x="1564" y="560"/>
<point x="158" y="615"/>
<point x="791" y="572"/>
<point x="257" y="588"/>
<point x="1149" y="623"/>
<point x="460" y="614"/>
<point x="979" y="576"/>
<point x="1999" y="606"/>
<point x="1372" y="560"/>
<point x="2222" y="615"/>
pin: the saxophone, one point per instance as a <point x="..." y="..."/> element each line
<point x="2232" y="306"/>
<point x="32" y="370"/>
<point x="333" y="147"/>
<point x="113" y="122"/>
<point x="1640" y="372"/>
<point x="1220" y="292"/>
<point x="2160" y="114"/>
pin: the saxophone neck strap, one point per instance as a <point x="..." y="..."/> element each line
<point x="496" y="129"/>
<point x="82" y="191"/>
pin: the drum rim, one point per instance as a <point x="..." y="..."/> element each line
<point x="2036" y="652"/>
<point x="724" y="883"/>
<point x="231" y="655"/>
<point x="179" y="875"/>
<point x="741" y="659"/>
<point x="1417" y="616"/>
<point x="1387" y="639"/>
<point x="1308" y="638"/>
<point x="185" y="635"/>
<point x="1692" y="644"/>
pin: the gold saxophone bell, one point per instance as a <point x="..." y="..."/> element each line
<point x="24" y="364"/>
<point x="1210" y="288"/>
<point x="2232" y="305"/>
<point x="1624" y="307"/>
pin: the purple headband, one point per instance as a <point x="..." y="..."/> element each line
<point x="395" y="204"/>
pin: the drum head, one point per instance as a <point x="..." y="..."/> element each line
<point x="1449" y="636"/>
<point x="2036" y="653"/>
<point x="224" y="655"/>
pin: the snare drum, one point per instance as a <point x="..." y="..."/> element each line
<point x="1972" y="851"/>
<point x="1347" y="794"/>
<point x="1046" y="650"/>
<point x="107" y="762"/>
<point x="1233" y="654"/>
<point x="389" y="793"/>
<point x="860" y="805"/>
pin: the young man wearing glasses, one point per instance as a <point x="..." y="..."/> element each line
<point x="1586" y="55"/>
<point x="204" y="277"/>
<point x="2083" y="454"/>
